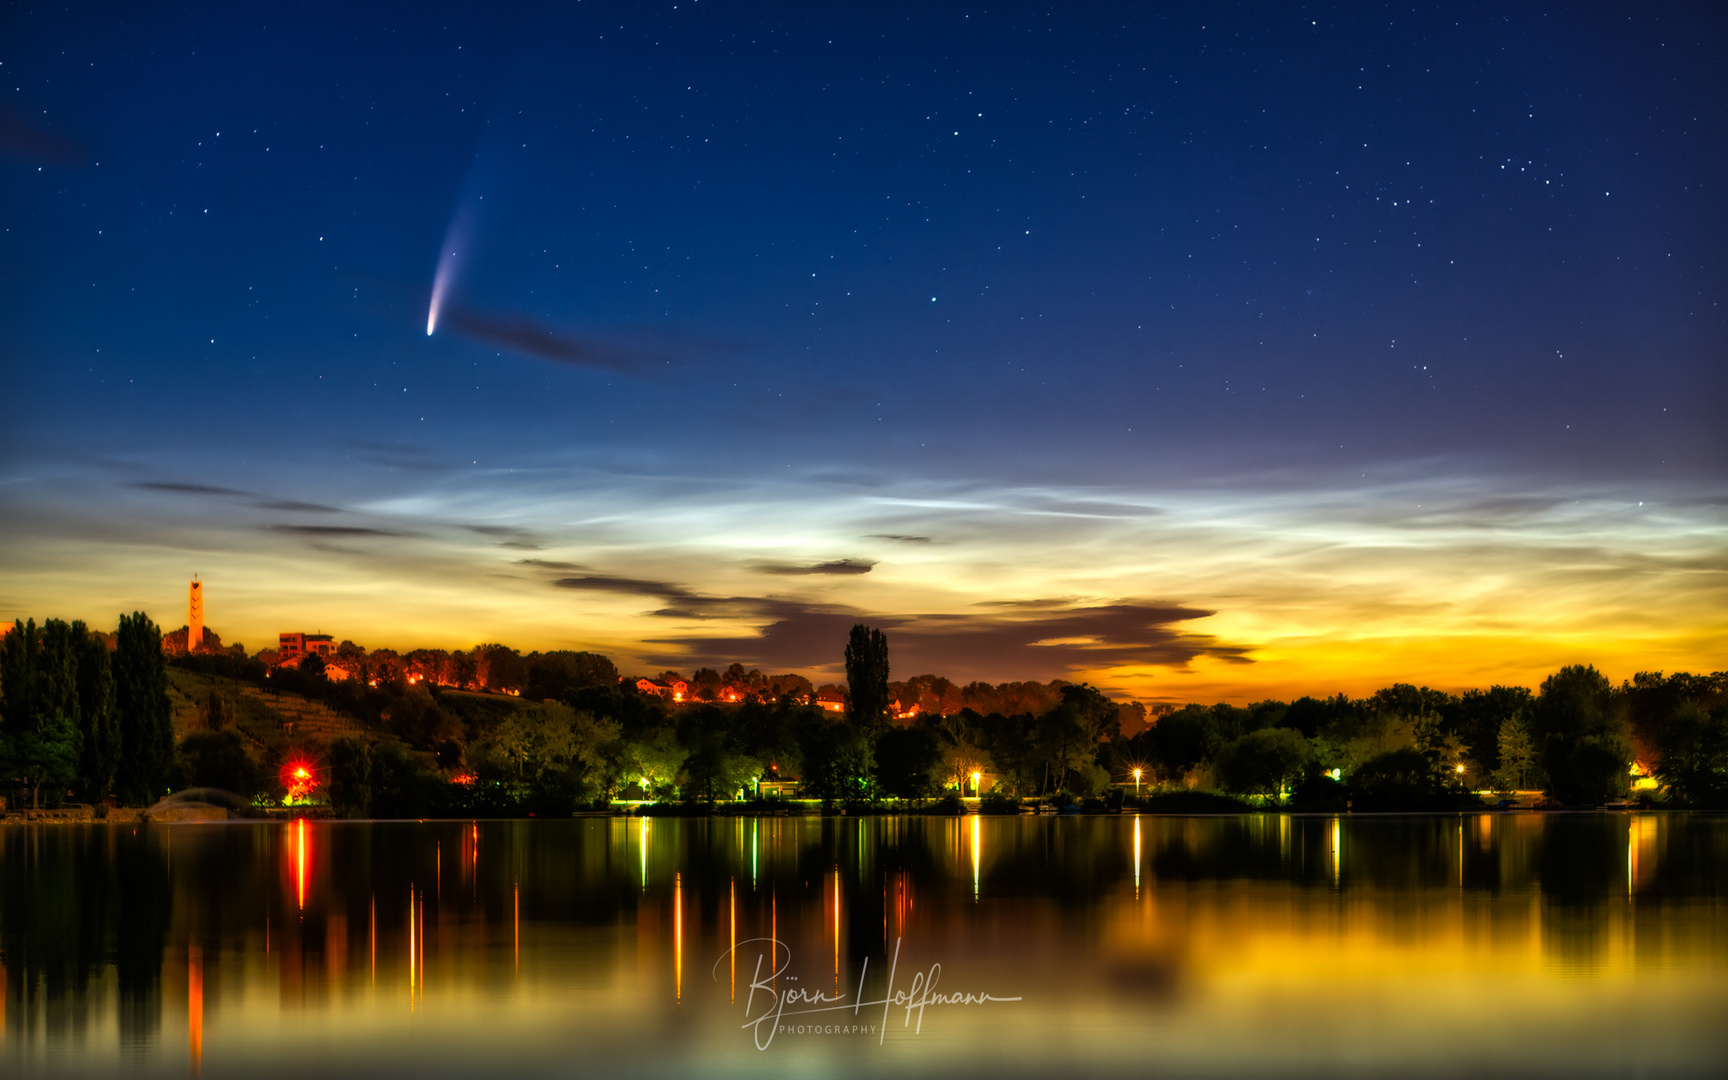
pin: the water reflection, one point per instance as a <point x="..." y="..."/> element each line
<point x="1563" y="943"/>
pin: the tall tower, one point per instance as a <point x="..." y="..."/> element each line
<point x="195" y="616"/>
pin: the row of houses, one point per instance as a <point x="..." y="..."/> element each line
<point x="678" y="692"/>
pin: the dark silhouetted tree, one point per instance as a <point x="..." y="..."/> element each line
<point x="219" y="759"/>
<point x="39" y="706"/>
<point x="908" y="760"/>
<point x="98" y="722"/>
<point x="552" y="675"/>
<point x="1580" y="730"/>
<point x="867" y="678"/>
<point x="349" y="782"/>
<point x="1263" y="762"/>
<point x="146" y="717"/>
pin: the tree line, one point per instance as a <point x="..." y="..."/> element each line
<point x="82" y="717"/>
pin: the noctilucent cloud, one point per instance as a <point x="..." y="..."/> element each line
<point x="1215" y="352"/>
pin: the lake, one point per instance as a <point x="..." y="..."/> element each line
<point x="1258" y="945"/>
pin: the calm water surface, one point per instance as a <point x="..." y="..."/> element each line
<point x="1263" y="945"/>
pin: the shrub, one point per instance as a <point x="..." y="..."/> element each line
<point x="948" y="804"/>
<point x="219" y="760"/>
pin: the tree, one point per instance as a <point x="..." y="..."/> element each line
<point x="1580" y="729"/>
<point x="655" y="761"/>
<point x="1263" y="762"/>
<point x="551" y="675"/>
<point x="960" y="760"/>
<point x="39" y="706"/>
<point x="839" y="763"/>
<point x="219" y="759"/>
<point x="98" y="722"/>
<point x="531" y="743"/>
<point x="498" y="667"/>
<point x="146" y="719"/>
<point x="1397" y="780"/>
<point x="1064" y="744"/>
<point x="1694" y="749"/>
<point x="349" y="782"/>
<point x="1479" y="717"/>
<point x="1068" y="735"/>
<point x="1516" y="754"/>
<point x="908" y="760"/>
<point x="867" y="678"/>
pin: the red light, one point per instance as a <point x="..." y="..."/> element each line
<point x="298" y="780"/>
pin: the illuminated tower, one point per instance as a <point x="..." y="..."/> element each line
<point x="195" y="616"/>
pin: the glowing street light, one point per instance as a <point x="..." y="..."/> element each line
<point x="1136" y="784"/>
<point x="975" y="777"/>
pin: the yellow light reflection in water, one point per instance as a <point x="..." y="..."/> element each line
<point x="413" y="982"/>
<point x="974" y="856"/>
<point x="642" y="846"/>
<point x="836" y="930"/>
<point x="1641" y="835"/>
<point x="1337" y="850"/>
<point x="516" y="925"/>
<point x="678" y="935"/>
<point x="1136" y="854"/>
<point x="372" y="938"/>
<point x="732" y="936"/>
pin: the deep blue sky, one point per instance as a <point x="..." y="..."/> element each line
<point x="1247" y="247"/>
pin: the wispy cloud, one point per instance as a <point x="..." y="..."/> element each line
<point x="192" y="489"/>
<point x="842" y="567"/>
<point x="1034" y="640"/>
<point x="296" y="506"/>
<point x="335" y="530"/>
<point x="663" y="590"/>
<point x="522" y="334"/>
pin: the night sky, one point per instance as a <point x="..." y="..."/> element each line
<point x="1217" y="351"/>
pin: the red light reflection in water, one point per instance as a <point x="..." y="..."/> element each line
<point x="301" y="859"/>
<point x="195" y="1006"/>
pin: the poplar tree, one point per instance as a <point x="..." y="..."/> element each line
<point x="867" y="678"/>
<point x="38" y="706"/>
<point x="141" y="702"/>
<point x="98" y="722"/>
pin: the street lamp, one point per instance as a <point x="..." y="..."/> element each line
<point x="975" y="777"/>
<point x="1136" y="785"/>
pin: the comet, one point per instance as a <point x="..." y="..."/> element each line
<point x="449" y="259"/>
